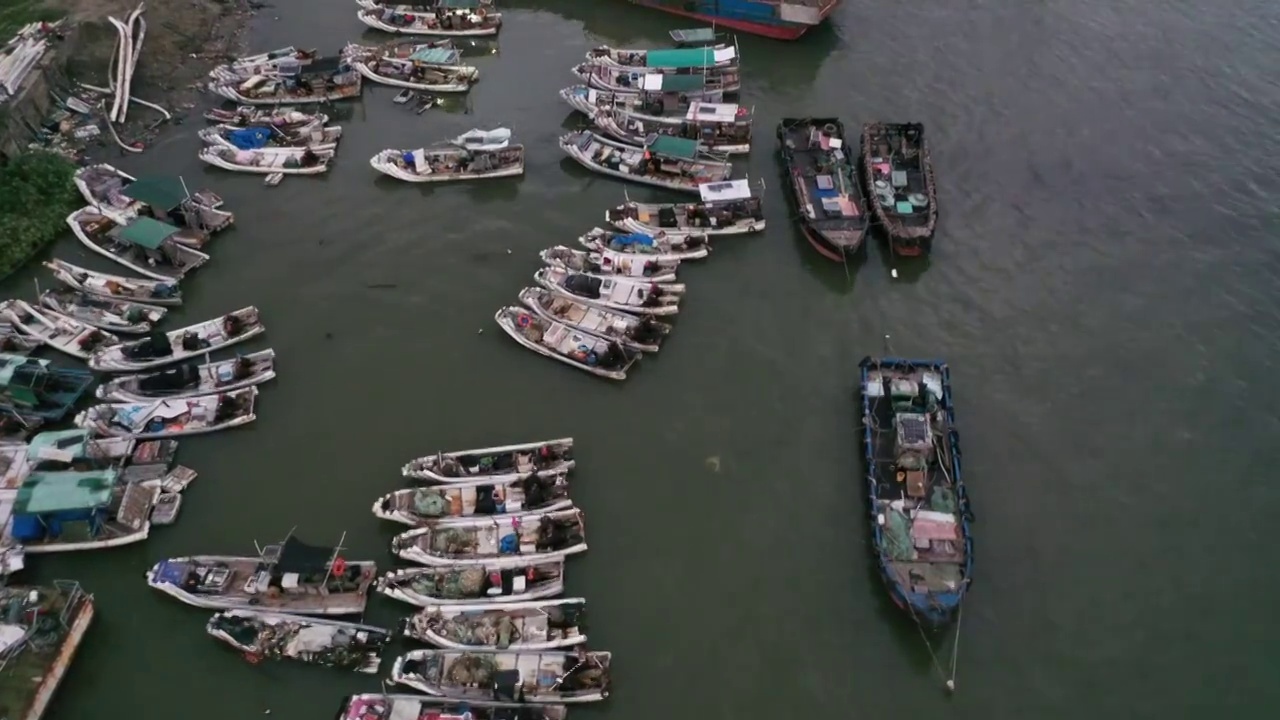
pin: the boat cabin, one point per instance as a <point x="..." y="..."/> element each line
<point x="669" y="153"/>
<point x="682" y="60"/>
<point x="34" y="387"/>
<point x="73" y="507"/>
<point x="724" y="203"/>
<point x="147" y="236"/>
<point x="75" y="450"/>
<point x="166" y="199"/>
<point x="670" y="94"/>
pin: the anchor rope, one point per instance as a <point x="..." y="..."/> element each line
<point x="955" y="649"/>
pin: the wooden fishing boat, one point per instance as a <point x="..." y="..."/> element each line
<point x="668" y="162"/>
<point x="899" y="173"/>
<point x="115" y="287"/>
<point x="419" y="75"/>
<point x="715" y="127"/>
<point x="610" y="262"/>
<point x="452" y="162"/>
<point x="284" y="61"/>
<point x="191" y="380"/>
<point x="660" y="98"/>
<point x="246" y="115"/>
<point x="575" y="677"/>
<point x="499" y="464"/>
<point x="444" y="503"/>
<point x="726" y="208"/>
<point x="616" y="79"/>
<point x="644" y="333"/>
<point x="36" y="388"/>
<point x="13" y="341"/>
<point x="471" y="584"/>
<point x="401" y="49"/>
<point x="666" y="60"/>
<point x="520" y="626"/>
<point x="659" y="246"/>
<point x="921" y="537"/>
<point x="614" y="293"/>
<point x="76" y="449"/>
<point x="172" y="417"/>
<point x="265" y="138"/>
<point x="55" y="330"/>
<point x="292" y="161"/>
<point x="374" y="706"/>
<point x="178" y="345"/>
<point x="315" y="641"/>
<point x="162" y="198"/>
<point x="76" y="510"/>
<point x="474" y="21"/>
<point x="326" y="79"/>
<point x="118" y="316"/>
<point x="144" y="245"/>
<point x="599" y="356"/>
<point x="528" y="538"/>
<point x="824" y="186"/>
<point x="290" y="576"/>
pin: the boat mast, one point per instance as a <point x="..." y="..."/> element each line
<point x="333" y="558"/>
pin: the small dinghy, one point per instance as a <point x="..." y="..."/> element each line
<point x="14" y="342"/>
<point x="276" y="636"/>
<point x="726" y="208"/>
<point x="667" y="162"/>
<point x="323" y="80"/>
<point x="661" y="98"/>
<point x="246" y="115"/>
<point x="446" y="21"/>
<point x="535" y="625"/>
<point x="616" y="79"/>
<point x="373" y="706"/>
<point x="531" y="677"/>
<point x="665" y="59"/>
<point x="57" y="331"/>
<point x="116" y="287"/>
<point x="474" y="155"/>
<point x="117" y="316"/>
<point x="294" y="161"/>
<point x="614" y="293"/>
<point x="177" y="345"/>
<point x="172" y="417"/>
<point x="899" y="173"/>
<point x="290" y="576"/>
<point x="658" y="246"/>
<point x="468" y="585"/>
<point x="822" y="180"/>
<point x="609" y="262"/>
<point x="191" y="380"/>
<point x="599" y="356"/>
<point x="164" y="198"/>
<point x="414" y="75"/>
<point x="721" y="134"/>
<point x="266" y="138"/>
<point x="36" y="388"/>
<point x="285" y="61"/>
<point x="445" y="503"/>
<point x="644" y="334"/>
<point x="144" y="245"/>
<point x="524" y="539"/>
<point x="500" y="464"/>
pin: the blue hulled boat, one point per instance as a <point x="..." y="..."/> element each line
<point x="777" y="19"/>
<point x="920" y="518"/>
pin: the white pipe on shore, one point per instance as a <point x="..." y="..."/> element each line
<point x="132" y="99"/>
<point x="123" y="45"/>
<point x="135" y="48"/>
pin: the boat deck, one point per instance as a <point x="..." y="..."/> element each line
<point x="232" y="582"/>
<point x="826" y="184"/>
<point x="32" y="668"/>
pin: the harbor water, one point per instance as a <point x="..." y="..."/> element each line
<point x="1103" y="284"/>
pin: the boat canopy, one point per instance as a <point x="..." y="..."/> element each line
<point x="713" y="112"/>
<point x="684" y="58"/>
<point x="299" y="557"/>
<point x="54" y="492"/>
<point x="64" y="445"/>
<point x="673" y="147"/>
<point x="727" y="191"/>
<point x="251" y="138"/>
<point x="165" y="193"/>
<point x="658" y="82"/>
<point x="145" y="232"/>
<point x="437" y="56"/>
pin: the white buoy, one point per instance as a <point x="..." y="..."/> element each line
<point x="951" y="686"/>
<point x="894" y="273"/>
<point x="480" y="331"/>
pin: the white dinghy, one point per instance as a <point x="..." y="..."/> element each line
<point x="609" y="262"/>
<point x="531" y="677"/>
<point x="719" y="134"/>
<point x="393" y="706"/>
<point x="266" y="138"/>
<point x="189" y="380"/>
<point x="658" y="246"/>
<point x="534" y="625"/>
<point x="142" y="244"/>
<point x="57" y="331"/>
<point x="116" y="287"/>
<point x="172" y="418"/>
<point x="283" y="161"/>
<point x="664" y="161"/>
<point x="178" y="345"/>
<point x="596" y="355"/>
<point x="315" y="641"/>
<point x="415" y="75"/>
<point x="440" y="20"/>
<point x="660" y="98"/>
<point x="644" y="334"/>
<point x="499" y="464"/>
<point x="112" y="315"/>
<point x="442" y="504"/>
<point x="474" y="155"/>
<point x="476" y="584"/>
<point x="726" y="208"/>
<point x="532" y="538"/>
<point x="284" y="61"/>
<point x="614" y="293"/>
<point x="721" y="55"/>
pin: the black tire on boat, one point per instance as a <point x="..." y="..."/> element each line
<point x="830" y="129"/>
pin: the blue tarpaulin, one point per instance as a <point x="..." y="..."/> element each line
<point x="632" y="239"/>
<point x="250" y="138"/>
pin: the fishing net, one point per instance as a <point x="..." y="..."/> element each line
<point x="452" y="541"/>
<point x="943" y="499"/>
<point x="459" y="584"/>
<point x="430" y="503"/>
<point x="897" y="536"/>
<point x="471" y="670"/>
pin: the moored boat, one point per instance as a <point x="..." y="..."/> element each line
<point x="616" y="79"/>
<point x="775" y="19"/>
<point x="579" y="676"/>
<point x="444" y="19"/>
<point x="36" y="388"/>
<point x="142" y="244"/>
<point x="403" y="49"/>
<point x="717" y="127"/>
<point x="13" y="341"/>
<point x="424" y="75"/>
<point x="110" y="314"/>
<point x="665" y="98"/>
<point x="172" y="417"/>
<point x="659" y="246"/>
<point x="375" y="706"/>
<point x="445" y="503"/>
<point x="323" y="80"/>
<point x="501" y="463"/>
<point x="283" y="61"/>
<point x="597" y="355"/>
<point x="191" y="380"/>
<point x="474" y="155"/>
<point x="609" y="262"/>
<point x="177" y="345"/>
<point x="291" y="161"/>
<point x="76" y="510"/>
<point x="267" y="138"/>
<point x="57" y="331"/>
<point x="246" y="115"/>
<point x="280" y="636"/>
<point x="116" y="287"/>
<point x="899" y="173"/>
<point x="666" y="60"/>
<point x="160" y="197"/>
<point x="668" y="162"/>
<point x="532" y="538"/>
<point x="921" y="536"/>
<point x="726" y="208"/>
<point x="470" y="584"/>
<point x="641" y="333"/>
<point x="822" y="178"/>
<point x="614" y="293"/>
<point x="520" y="626"/>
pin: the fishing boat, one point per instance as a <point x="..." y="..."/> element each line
<point x="899" y="173"/>
<point x="725" y="208"/>
<point x="290" y="576"/>
<point x="823" y="181"/>
<point x="498" y="464"/>
<point x="284" y="61"/>
<point x="77" y="510"/>
<point x="192" y="380"/>
<point x="144" y="245"/>
<point x="531" y="677"/>
<point x="715" y="127"/>
<point x="163" y="198"/>
<point x="616" y="79"/>
<point x="57" y="331"/>
<point x="76" y="449"/>
<point x="599" y="356"/>
<point x="14" y="342"/>
<point x="36" y="388"/>
<point x="267" y="138"/>
<point x="315" y="641"/>
<point x="640" y="333"/>
<point x="921" y="535"/>
<point x="659" y="97"/>
<point x="172" y="417"/>
<point x="614" y="293"/>
<point x="532" y="538"/>
<point x="328" y="79"/>
<point x="666" y="60"/>
<point x="297" y="161"/>
<point x="497" y="582"/>
<point x="246" y="115"/>
<point x="775" y="19"/>
<point x="428" y="75"/>
<point x="401" y="49"/>
<point x="521" y="626"/>
<point x="474" y="155"/>
<point x="668" y="162"/>
<point x="178" y="345"/>
<point x="438" y="504"/>
<point x="115" y="287"/>
<point x="374" y="706"/>
<point x="452" y="18"/>
<point x="609" y="262"/>
<point x="658" y="246"/>
<point x="118" y="316"/>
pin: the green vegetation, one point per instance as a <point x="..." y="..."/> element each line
<point x="36" y="194"/>
<point x="16" y="13"/>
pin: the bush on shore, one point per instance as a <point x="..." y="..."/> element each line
<point x="36" y="193"/>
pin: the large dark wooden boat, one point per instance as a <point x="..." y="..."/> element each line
<point x="824" y="184"/>
<point x="899" y="175"/>
<point x="920" y="517"/>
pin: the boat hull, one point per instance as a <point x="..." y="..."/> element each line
<point x="120" y="541"/>
<point x="461" y="87"/>
<point x="390" y="169"/>
<point x="222" y="602"/>
<point x="779" y="30"/>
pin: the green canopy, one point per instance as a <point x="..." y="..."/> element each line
<point x="165" y="193"/>
<point x="680" y="58"/>
<point x="674" y="147"/>
<point x="51" y="492"/>
<point x="682" y="83"/>
<point x="145" y="232"/>
<point x="9" y="364"/>
<point x="74" y="442"/>
<point x="458" y="4"/>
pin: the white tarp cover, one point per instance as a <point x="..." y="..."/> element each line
<point x="712" y="112"/>
<point x="420" y="165"/>
<point x="724" y="54"/>
<point x="10" y="634"/>
<point x="405" y="709"/>
<point x="651" y="82"/>
<point x="311" y="639"/>
<point x="738" y="189"/>
<point x="477" y="139"/>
